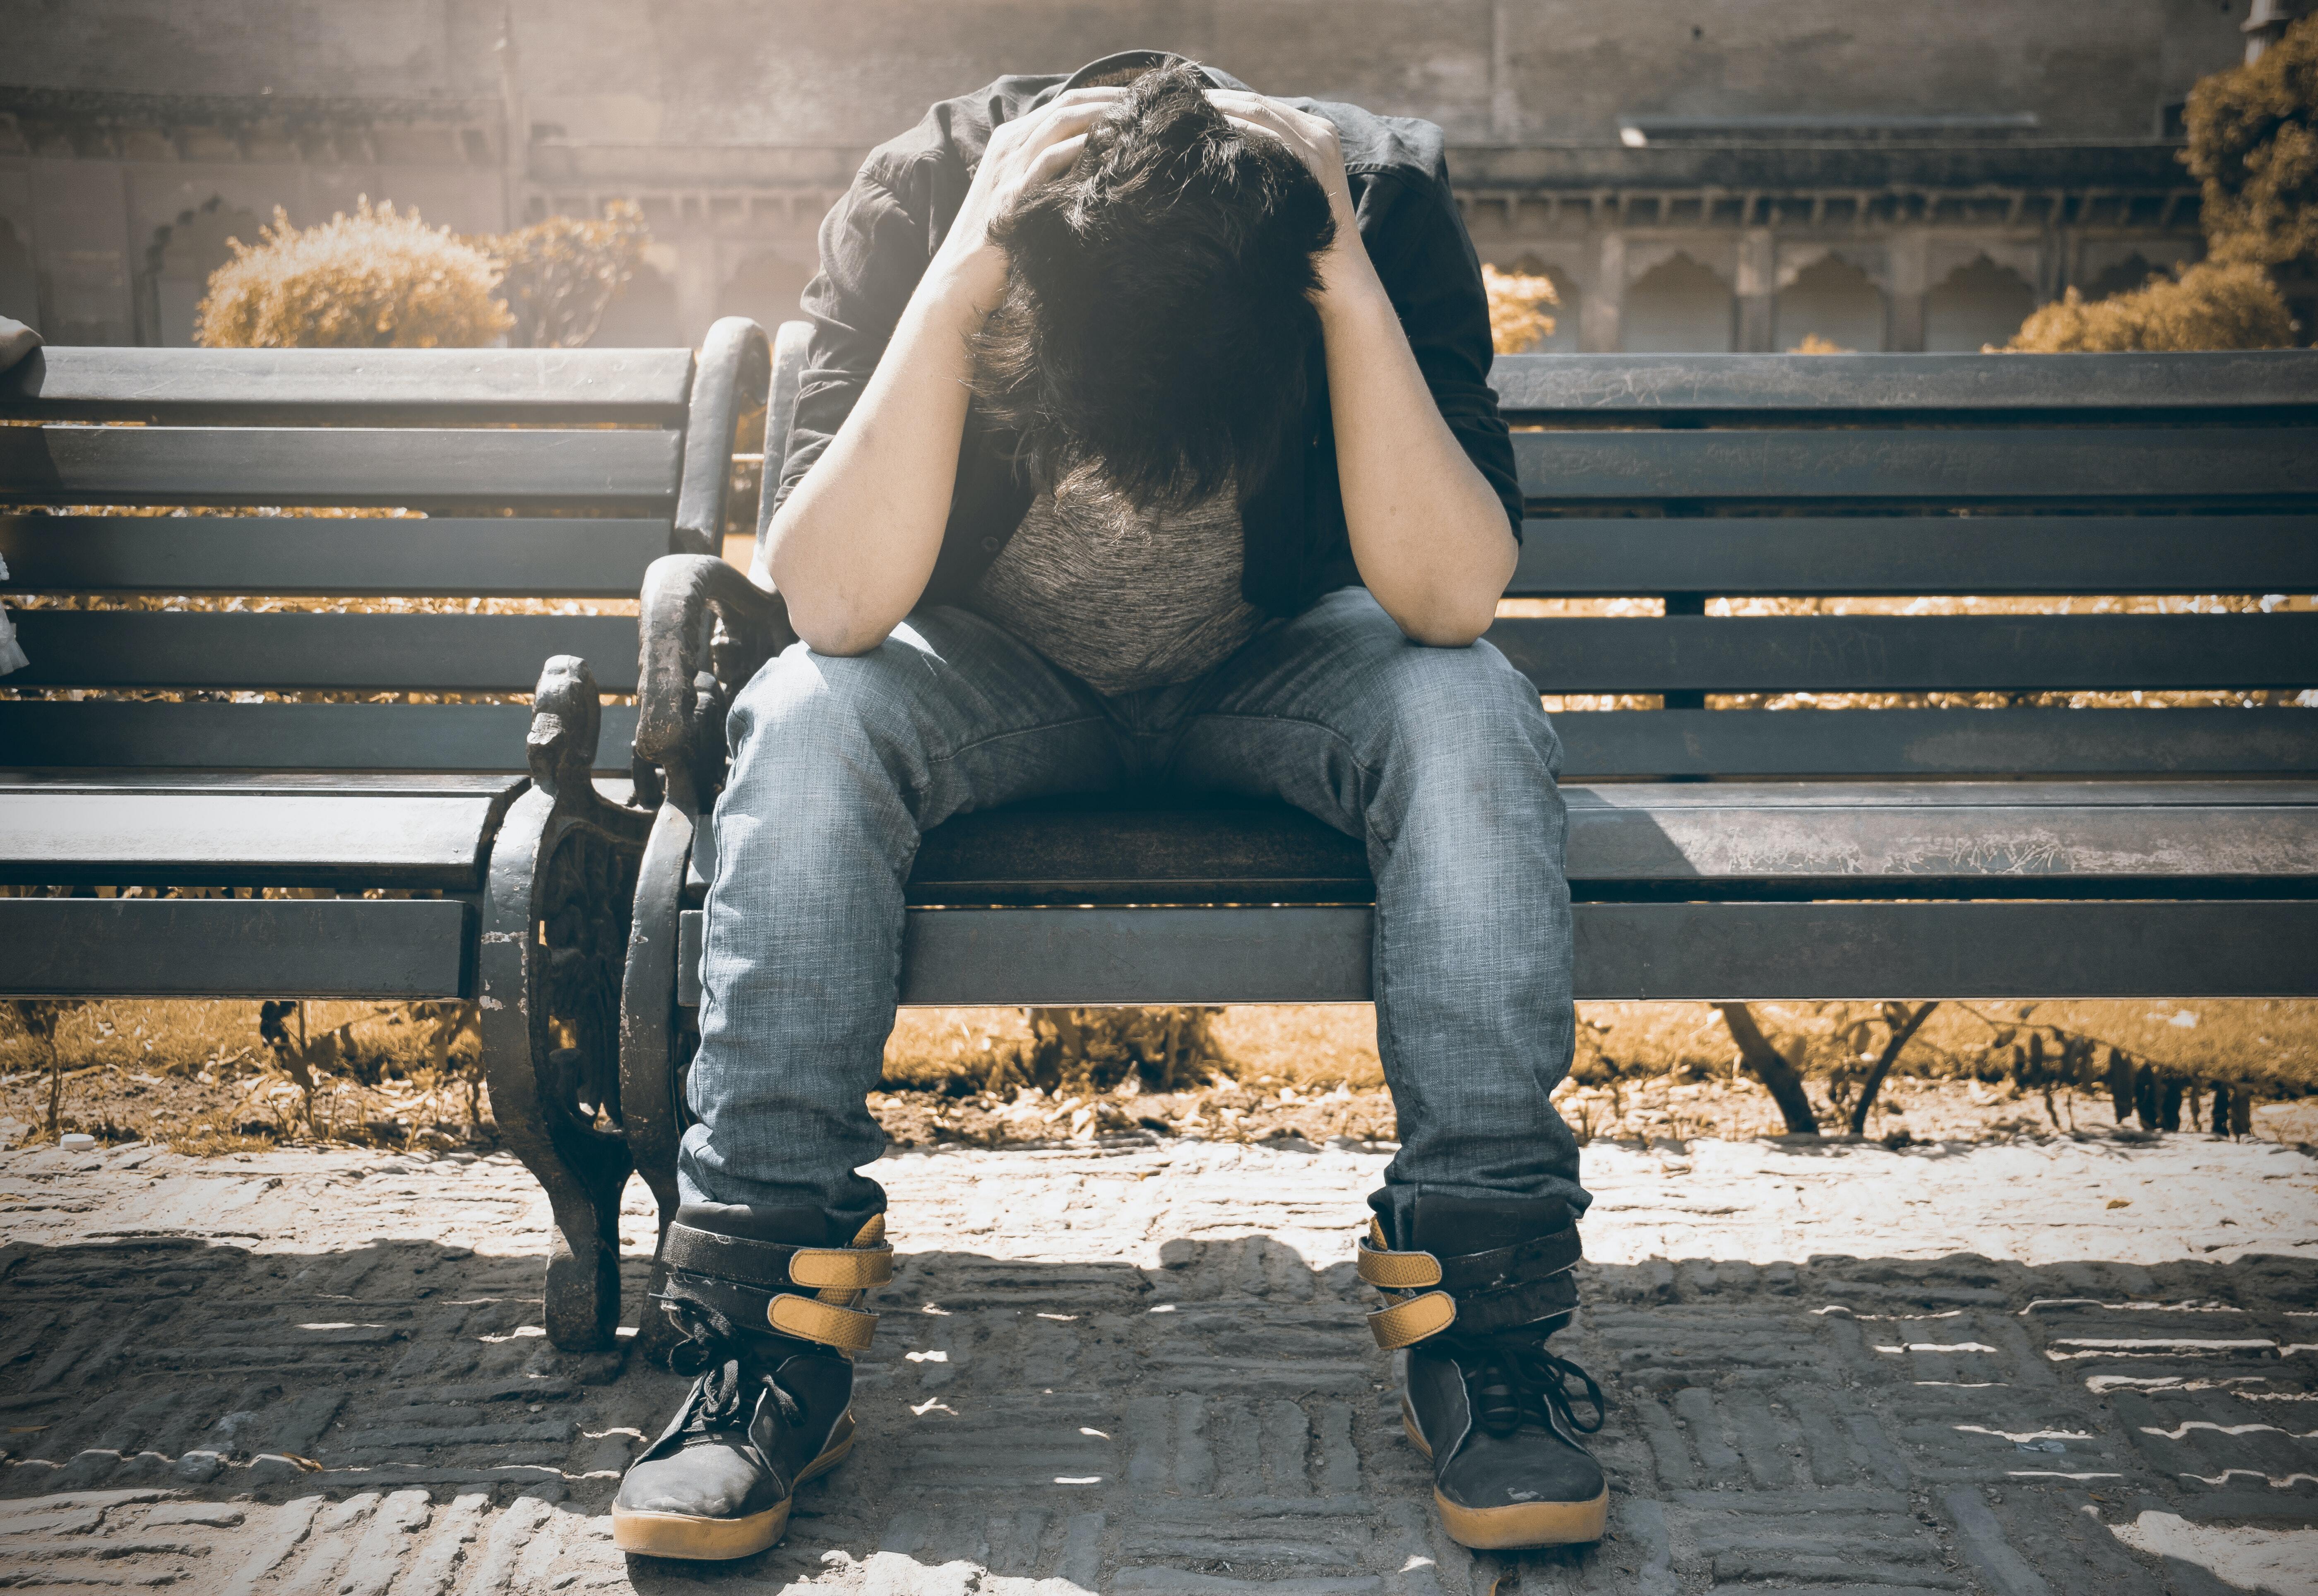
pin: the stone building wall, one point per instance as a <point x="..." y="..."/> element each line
<point x="1714" y="173"/>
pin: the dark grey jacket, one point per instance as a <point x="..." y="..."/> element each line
<point x="877" y="243"/>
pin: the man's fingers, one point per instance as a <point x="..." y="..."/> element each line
<point x="1056" y="159"/>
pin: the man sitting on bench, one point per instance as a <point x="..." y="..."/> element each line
<point x="1145" y="439"/>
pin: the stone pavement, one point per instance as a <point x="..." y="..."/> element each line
<point x="2022" y="1369"/>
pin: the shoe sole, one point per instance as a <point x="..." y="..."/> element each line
<point x="692" y="1539"/>
<point x="1521" y="1527"/>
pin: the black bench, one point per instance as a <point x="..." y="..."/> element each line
<point x="1958" y="847"/>
<point x="382" y="837"/>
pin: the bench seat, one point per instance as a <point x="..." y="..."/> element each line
<point x="1743" y="839"/>
<point x="398" y="833"/>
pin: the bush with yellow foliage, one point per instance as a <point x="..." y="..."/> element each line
<point x="1517" y="302"/>
<point x="2208" y="306"/>
<point x="374" y="280"/>
<point x="562" y="275"/>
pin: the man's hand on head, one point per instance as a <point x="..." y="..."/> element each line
<point x="1314" y="140"/>
<point x="1021" y="155"/>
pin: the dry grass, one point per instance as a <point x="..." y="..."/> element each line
<point x="198" y="1077"/>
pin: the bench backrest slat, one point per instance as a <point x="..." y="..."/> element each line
<point x="1956" y="468"/>
<point x="361" y="466"/>
<point x="1809" y="556"/>
<point x="574" y="556"/>
<point x="120" y="735"/>
<point x="1909" y="653"/>
<point x="309" y="651"/>
<point x="302" y="387"/>
<point x="1888" y="390"/>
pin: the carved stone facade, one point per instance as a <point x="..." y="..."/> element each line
<point x="1708" y="174"/>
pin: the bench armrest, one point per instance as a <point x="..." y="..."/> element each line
<point x="729" y="385"/>
<point x="706" y="629"/>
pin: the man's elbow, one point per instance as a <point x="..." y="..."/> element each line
<point x="832" y="630"/>
<point x="1456" y="628"/>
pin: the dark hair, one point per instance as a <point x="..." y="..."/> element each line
<point x="1158" y="306"/>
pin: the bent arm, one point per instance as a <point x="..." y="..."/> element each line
<point x="1428" y="532"/>
<point x="852" y="547"/>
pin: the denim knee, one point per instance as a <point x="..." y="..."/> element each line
<point x="1463" y="709"/>
<point x="817" y="706"/>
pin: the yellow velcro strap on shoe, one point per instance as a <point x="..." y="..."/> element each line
<point x="811" y="1321"/>
<point x="1398" y="1271"/>
<point x="856" y="1268"/>
<point x="871" y="1233"/>
<point x="1405" y="1324"/>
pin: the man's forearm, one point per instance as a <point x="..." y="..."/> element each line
<point x="855" y="543"/>
<point x="1428" y="533"/>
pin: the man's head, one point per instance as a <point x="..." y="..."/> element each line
<point x="1158" y="310"/>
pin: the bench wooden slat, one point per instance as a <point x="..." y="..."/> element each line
<point x="96" y="734"/>
<point x="414" y="467"/>
<point x="237" y="838"/>
<point x="1911" y="653"/>
<point x="1735" y="839"/>
<point x="1625" y="744"/>
<point x="229" y="386"/>
<point x="2229" y="948"/>
<point x="299" y="652"/>
<point x="1928" y="466"/>
<point x="579" y="557"/>
<point x="391" y="949"/>
<point x="1887" y="388"/>
<point x="1908" y="555"/>
<point x="1598" y="745"/>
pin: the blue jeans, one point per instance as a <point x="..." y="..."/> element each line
<point x="1441" y="759"/>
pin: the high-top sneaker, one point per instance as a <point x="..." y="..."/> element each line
<point x="1478" y="1287"/>
<point x="772" y="1320"/>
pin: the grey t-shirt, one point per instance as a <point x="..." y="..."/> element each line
<point x="1121" y="597"/>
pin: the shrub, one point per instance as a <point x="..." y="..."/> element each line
<point x="374" y="280"/>
<point x="2253" y="148"/>
<point x="2208" y="306"/>
<point x="560" y="275"/>
<point x="1517" y="302"/>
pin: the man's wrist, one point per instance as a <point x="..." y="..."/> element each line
<point x="1350" y="292"/>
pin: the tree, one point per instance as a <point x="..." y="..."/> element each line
<point x="560" y="275"/>
<point x="374" y="280"/>
<point x="2253" y="148"/>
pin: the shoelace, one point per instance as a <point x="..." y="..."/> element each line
<point x="1514" y="1381"/>
<point x="724" y="1386"/>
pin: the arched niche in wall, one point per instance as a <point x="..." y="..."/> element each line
<point x="1830" y="301"/>
<point x="643" y="316"/>
<point x="1978" y="304"/>
<point x="181" y="258"/>
<point x="20" y="285"/>
<point x="1563" y="339"/>
<point x="765" y="287"/>
<point x="1677" y="307"/>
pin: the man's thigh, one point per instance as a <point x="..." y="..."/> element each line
<point x="1314" y="709"/>
<point x="956" y="712"/>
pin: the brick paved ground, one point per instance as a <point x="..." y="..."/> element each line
<point x="2014" y="1369"/>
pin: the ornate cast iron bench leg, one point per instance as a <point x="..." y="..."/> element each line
<point x="706" y="629"/>
<point x="562" y="879"/>
<point x="656" y="1038"/>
